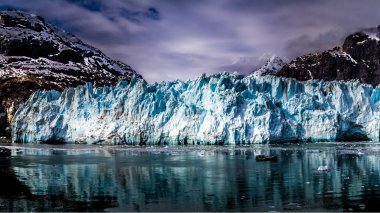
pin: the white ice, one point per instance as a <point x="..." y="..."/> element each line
<point x="218" y="109"/>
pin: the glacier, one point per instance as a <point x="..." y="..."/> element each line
<point x="218" y="109"/>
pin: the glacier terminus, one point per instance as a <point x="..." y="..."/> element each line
<point x="216" y="109"/>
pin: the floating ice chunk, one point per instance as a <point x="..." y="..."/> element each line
<point x="313" y="151"/>
<point x="323" y="168"/>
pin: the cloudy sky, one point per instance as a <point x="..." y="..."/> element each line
<point x="181" y="39"/>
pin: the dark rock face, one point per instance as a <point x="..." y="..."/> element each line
<point x="35" y="55"/>
<point x="358" y="58"/>
<point x="4" y="152"/>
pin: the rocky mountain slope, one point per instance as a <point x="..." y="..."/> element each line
<point x="34" y="55"/>
<point x="358" y="58"/>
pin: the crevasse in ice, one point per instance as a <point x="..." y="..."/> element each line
<point x="217" y="109"/>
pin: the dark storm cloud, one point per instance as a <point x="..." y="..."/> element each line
<point x="105" y="7"/>
<point x="92" y="5"/>
<point x="171" y="39"/>
<point x="309" y="44"/>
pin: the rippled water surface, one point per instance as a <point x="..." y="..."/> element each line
<point x="191" y="178"/>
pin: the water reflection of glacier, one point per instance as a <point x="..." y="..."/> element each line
<point x="209" y="179"/>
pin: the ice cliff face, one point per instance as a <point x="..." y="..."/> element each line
<point x="217" y="109"/>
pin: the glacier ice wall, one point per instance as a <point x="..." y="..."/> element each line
<point x="218" y="109"/>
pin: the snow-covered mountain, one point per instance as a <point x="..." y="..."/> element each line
<point x="35" y="55"/>
<point x="217" y="109"/>
<point x="358" y="58"/>
<point x="271" y="67"/>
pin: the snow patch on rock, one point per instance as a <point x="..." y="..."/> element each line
<point x="271" y="67"/>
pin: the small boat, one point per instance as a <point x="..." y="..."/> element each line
<point x="265" y="158"/>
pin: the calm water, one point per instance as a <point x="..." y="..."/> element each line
<point x="189" y="178"/>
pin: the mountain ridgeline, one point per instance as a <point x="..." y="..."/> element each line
<point x="358" y="58"/>
<point x="35" y="55"/>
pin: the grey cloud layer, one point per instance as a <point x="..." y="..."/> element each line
<point x="171" y="39"/>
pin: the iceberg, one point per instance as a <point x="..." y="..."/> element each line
<point x="221" y="108"/>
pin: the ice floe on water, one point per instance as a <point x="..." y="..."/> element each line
<point x="312" y="149"/>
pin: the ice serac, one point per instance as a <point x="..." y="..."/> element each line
<point x="218" y="109"/>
